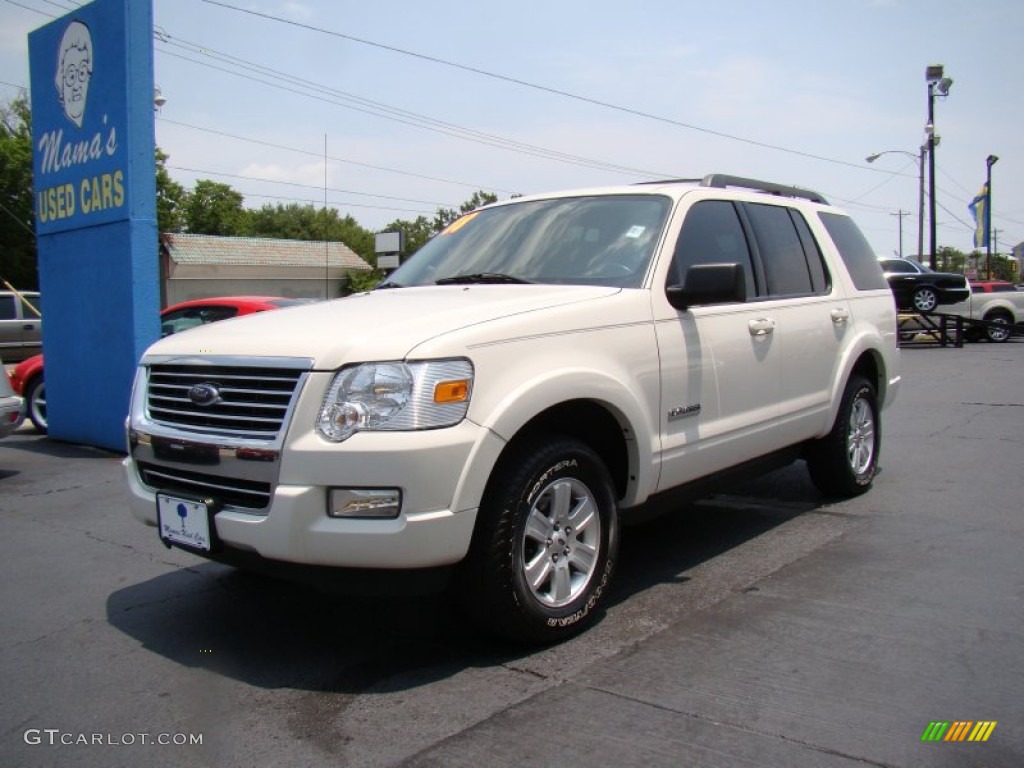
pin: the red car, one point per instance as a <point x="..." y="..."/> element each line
<point x="27" y="377"/>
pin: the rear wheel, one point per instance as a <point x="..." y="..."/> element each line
<point x="925" y="299"/>
<point x="998" y="328"/>
<point x="35" y="400"/>
<point x="845" y="461"/>
<point x="546" y="541"/>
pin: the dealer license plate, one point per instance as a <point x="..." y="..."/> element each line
<point x="184" y="521"/>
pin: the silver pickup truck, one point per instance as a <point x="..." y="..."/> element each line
<point x="1000" y="304"/>
<point x="21" y="327"/>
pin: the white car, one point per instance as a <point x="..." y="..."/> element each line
<point x="11" y="406"/>
<point x="542" y="368"/>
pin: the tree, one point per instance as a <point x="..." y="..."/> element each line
<point x="446" y="216"/>
<point x="950" y="259"/>
<point x="419" y="231"/>
<point x="215" y="209"/>
<point x="416" y="233"/>
<point x="18" y="258"/>
<point x="170" y="198"/>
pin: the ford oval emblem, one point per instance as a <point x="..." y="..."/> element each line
<point x="204" y="395"/>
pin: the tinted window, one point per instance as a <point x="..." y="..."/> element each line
<point x="899" y="266"/>
<point x="782" y="253"/>
<point x="7" y="308"/>
<point x="821" y="281"/>
<point x="711" y="234"/>
<point x="855" y="252"/>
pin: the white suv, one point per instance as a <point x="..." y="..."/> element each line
<point x="539" y="370"/>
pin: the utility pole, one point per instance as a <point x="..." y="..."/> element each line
<point x="995" y="247"/>
<point x="901" y="213"/>
<point x="989" y="162"/>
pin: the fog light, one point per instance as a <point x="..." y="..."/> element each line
<point x="364" y="502"/>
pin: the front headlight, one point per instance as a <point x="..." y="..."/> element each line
<point x="396" y="396"/>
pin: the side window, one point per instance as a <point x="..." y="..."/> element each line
<point x="7" y="308"/>
<point x="712" y="234"/>
<point x="782" y="253"/>
<point x="855" y="251"/>
<point x="821" y="281"/>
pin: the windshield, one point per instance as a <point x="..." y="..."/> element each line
<point x="592" y="240"/>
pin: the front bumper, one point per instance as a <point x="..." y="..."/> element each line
<point x="440" y="474"/>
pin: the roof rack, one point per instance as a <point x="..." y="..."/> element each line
<point x="723" y="180"/>
<point x="667" y="181"/>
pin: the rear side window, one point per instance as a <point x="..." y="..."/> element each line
<point x="855" y="252"/>
<point x="787" y="266"/>
<point x="7" y="308"/>
<point x="712" y="234"/>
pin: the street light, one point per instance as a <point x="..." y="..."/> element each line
<point x="989" y="162"/>
<point x="936" y="82"/>
<point x="920" y="191"/>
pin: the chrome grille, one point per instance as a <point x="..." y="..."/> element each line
<point x="253" y="401"/>
<point x="230" y="491"/>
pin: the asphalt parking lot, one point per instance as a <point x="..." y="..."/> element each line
<point x="766" y="626"/>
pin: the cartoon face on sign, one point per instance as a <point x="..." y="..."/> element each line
<point x="74" y="69"/>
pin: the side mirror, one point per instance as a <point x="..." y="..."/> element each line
<point x="709" y="284"/>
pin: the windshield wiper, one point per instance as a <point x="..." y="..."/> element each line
<point x="388" y="284"/>
<point x="480" y="277"/>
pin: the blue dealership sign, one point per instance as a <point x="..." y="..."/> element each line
<point x="95" y="210"/>
<point x="79" y="120"/>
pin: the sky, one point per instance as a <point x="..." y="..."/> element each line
<point x="400" y="108"/>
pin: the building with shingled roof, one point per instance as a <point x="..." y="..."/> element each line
<point x="201" y="266"/>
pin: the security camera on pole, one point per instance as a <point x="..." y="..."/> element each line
<point x="936" y="82"/>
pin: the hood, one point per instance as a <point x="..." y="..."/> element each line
<point x="379" y="325"/>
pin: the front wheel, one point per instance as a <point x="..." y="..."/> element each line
<point x="845" y="461"/>
<point x="35" y="400"/>
<point x="545" y="545"/>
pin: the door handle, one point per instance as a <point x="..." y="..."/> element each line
<point x="761" y="327"/>
<point x="840" y="315"/>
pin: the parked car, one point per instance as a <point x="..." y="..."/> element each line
<point x="10" y="405"/>
<point x="919" y="289"/>
<point x="998" y="303"/>
<point x="28" y="381"/>
<point x="539" y="370"/>
<point x="21" y="328"/>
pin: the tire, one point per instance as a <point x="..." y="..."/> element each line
<point x="35" y="402"/>
<point x="844" y="462"/>
<point x="545" y="544"/>
<point x="925" y="299"/>
<point x="998" y="329"/>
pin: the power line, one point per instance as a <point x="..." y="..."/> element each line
<point x="535" y="86"/>
<point x="337" y="203"/>
<point x="30" y="8"/>
<point x="336" y="159"/>
<point x="306" y="186"/>
<point x="395" y="114"/>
